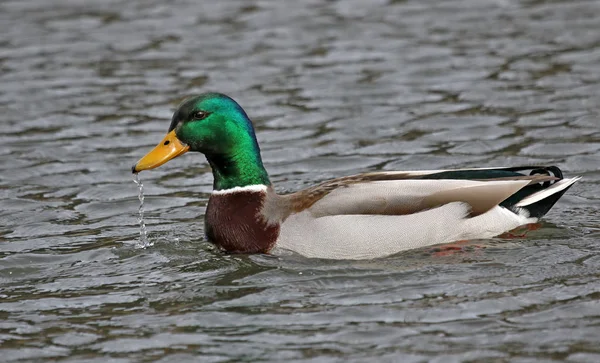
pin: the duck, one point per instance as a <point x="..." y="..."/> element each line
<point x="363" y="216"/>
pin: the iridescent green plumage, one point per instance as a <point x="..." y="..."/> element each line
<point x="225" y="135"/>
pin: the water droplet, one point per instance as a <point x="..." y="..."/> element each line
<point x="143" y="242"/>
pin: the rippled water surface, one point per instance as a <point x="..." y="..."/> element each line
<point x="334" y="88"/>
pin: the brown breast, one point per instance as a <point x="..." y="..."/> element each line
<point x="234" y="222"/>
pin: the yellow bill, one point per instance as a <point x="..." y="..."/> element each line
<point x="169" y="148"/>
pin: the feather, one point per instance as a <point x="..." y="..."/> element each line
<point x="400" y="197"/>
<point x="555" y="188"/>
<point x="371" y="236"/>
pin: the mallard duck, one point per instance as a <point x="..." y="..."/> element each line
<point x="361" y="216"/>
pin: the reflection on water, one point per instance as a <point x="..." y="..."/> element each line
<point x="334" y="88"/>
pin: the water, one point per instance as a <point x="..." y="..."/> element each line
<point x="144" y="242"/>
<point x="334" y="88"/>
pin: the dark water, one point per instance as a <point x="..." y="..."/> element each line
<point x="334" y="87"/>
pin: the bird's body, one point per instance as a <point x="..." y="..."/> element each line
<point x="362" y="216"/>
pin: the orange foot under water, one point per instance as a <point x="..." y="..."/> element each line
<point x="459" y="246"/>
<point x="521" y="231"/>
<point x="453" y="248"/>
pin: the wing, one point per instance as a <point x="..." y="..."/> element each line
<point x="402" y="197"/>
<point x="407" y="192"/>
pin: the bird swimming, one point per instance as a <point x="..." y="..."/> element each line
<point x="361" y="216"/>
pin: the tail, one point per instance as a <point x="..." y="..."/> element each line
<point x="540" y="202"/>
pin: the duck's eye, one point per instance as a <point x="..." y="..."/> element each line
<point x="199" y="115"/>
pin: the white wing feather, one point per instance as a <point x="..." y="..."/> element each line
<point x="409" y="196"/>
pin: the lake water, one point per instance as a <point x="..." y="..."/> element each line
<point x="334" y="88"/>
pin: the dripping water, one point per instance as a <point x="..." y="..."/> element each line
<point x="143" y="242"/>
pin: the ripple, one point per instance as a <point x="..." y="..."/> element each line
<point x="334" y="88"/>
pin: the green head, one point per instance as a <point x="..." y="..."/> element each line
<point x="215" y="125"/>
